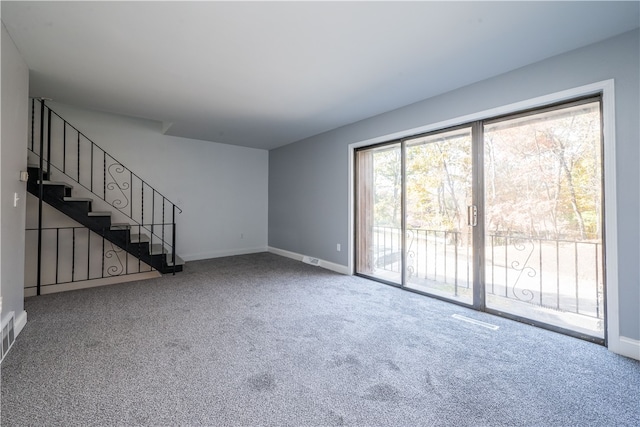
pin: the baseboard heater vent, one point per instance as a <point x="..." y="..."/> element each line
<point x="311" y="261"/>
<point x="8" y="333"/>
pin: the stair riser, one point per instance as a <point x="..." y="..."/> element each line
<point x="33" y="174"/>
<point x="57" y="191"/>
<point x="84" y="207"/>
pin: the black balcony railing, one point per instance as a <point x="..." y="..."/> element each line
<point x="562" y="275"/>
<point x="559" y="274"/>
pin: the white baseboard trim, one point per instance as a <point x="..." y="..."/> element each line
<point x="220" y="254"/>
<point x="338" y="268"/>
<point x="287" y="254"/>
<point x="627" y="347"/>
<point x="21" y="322"/>
<point x="52" y="289"/>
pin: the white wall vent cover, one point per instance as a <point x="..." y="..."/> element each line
<point x="8" y="333"/>
<point x="310" y="260"/>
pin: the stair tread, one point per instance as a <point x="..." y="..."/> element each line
<point x="139" y="238"/>
<point x="55" y="183"/>
<point x="157" y="249"/>
<point x="77" y="199"/>
<point x="179" y="261"/>
<point x="99" y="214"/>
<point x="120" y="226"/>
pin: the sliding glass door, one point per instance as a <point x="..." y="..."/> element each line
<point x="503" y="215"/>
<point x="543" y="216"/>
<point x="438" y="189"/>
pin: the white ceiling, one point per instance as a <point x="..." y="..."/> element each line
<point x="265" y="74"/>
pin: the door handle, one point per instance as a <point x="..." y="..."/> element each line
<point x="472" y="215"/>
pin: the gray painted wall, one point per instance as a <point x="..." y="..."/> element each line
<point x="15" y="90"/>
<point x="222" y="189"/>
<point x="309" y="180"/>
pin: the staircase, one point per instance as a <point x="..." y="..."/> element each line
<point x="59" y="196"/>
<point x="58" y="146"/>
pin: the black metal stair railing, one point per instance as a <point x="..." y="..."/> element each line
<point x="60" y="146"/>
<point x="80" y="254"/>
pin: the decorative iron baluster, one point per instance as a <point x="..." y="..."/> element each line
<point x="540" y="268"/>
<point x="575" y="258"/>
<point x="435" y="255"/>
<point x="173" y="252"/>
<point x="444" y="249"/>
<point x="40" y="191"/>
<point x="78" y="156"/>
<point x="104" y="176"/>
<point x="410" y="254"/>
<point x="426" y="254"/>
<point x="455" y="262"/>
<point x="597" y="283"/>
<point x="114" y="270"/>
<point x="142" y="205"/>
<point x="102" y="253"/>
<point x="139" y="247"/>
<point x="33" y="117"/>
<point x="49" y="143"/>
<point x="493" y="264"/>
<point x="88" y="254"/>
<point x="163" y="224"/>
<point x="506" y="269"/>
<point x="557" y="275"/>
<point x="117" y="168"/>
<point x="153" y="211"/>
<point x="91" y="168"/>
<point x="73" y="254"/>
<point x="531" y="272"/>
<point x="64" y="147"/>
<point x="126" y="253"/>
<point x="57" y="252"/>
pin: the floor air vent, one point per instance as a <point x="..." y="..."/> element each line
<point x="8" y="333"/>
<point x="310" y="260"/>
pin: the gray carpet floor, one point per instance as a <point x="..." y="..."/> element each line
<point x="261" y="340"/>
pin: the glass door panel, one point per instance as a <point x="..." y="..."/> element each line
<point x="438" y="186"/>
<point x="379" y="213"/>
<point x="543" y="216"/>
